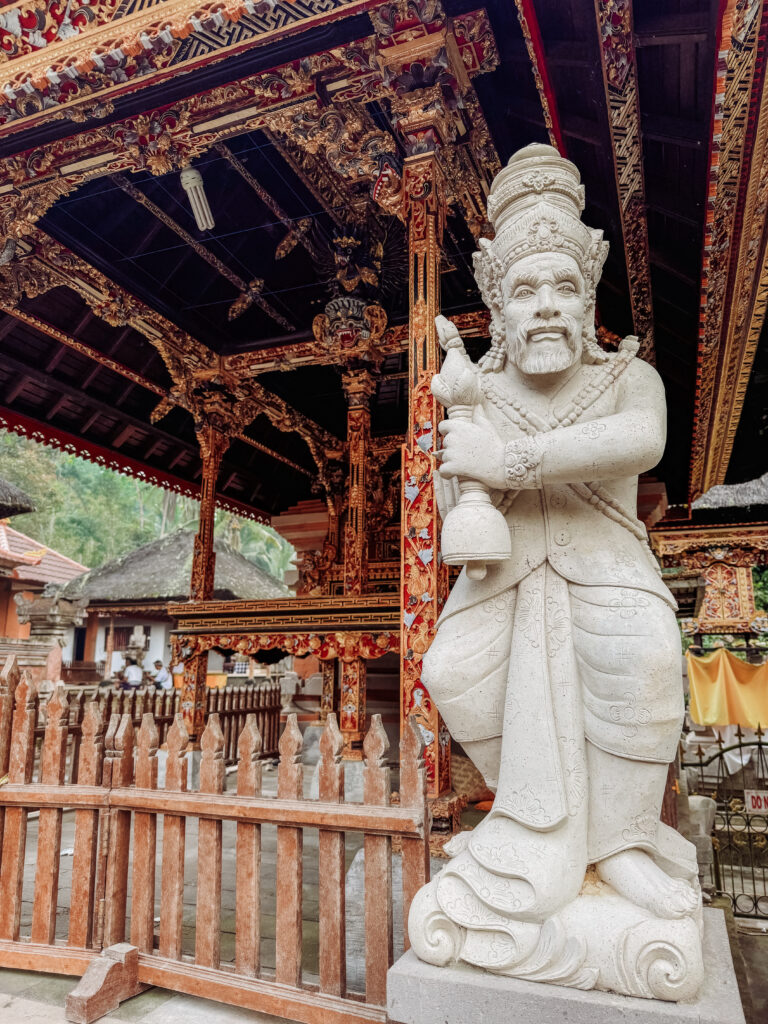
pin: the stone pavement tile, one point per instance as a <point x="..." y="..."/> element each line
<point x="51" y="988"/>
<point x="754" y="949"/>
<point x="191" y="1010"/>
<point x="136" y="1009"/>
<point x="15" y="982"/>
<point x="15" y="1010"/>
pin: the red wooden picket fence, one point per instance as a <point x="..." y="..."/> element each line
<point x="232" y="704"/>
<point x="117" y="802"/>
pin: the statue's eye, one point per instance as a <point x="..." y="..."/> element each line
<point x="566" y="288"/>
<point x="523" y="292"/>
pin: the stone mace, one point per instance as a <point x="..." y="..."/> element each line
<point x="474" y="532"/>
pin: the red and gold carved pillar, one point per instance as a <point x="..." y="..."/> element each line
<point x="328" y="669"/>
<point x="423" y="579"/>
<point x="352" y="683"/>
<point x="359" y="386"/>
<point x="213" y="443"/>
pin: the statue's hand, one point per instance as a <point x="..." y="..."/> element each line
<point x="474" y="451"/>
<point x="448" y="333"/>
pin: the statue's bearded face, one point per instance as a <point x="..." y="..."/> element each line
<point x="544" y="305"/>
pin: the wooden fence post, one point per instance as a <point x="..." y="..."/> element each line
<point x="174" y="834"/>
<point x="248" y="857"/>
<point x="9" y="680"/>
<point x="20" y="765"/>
<point x="99" y="896"/>
<point x="84" y="863"/>
<point x="53" y="764"/>
<point x="290" y="845"/>
<point x="116" y="892"/>
<point x="144" y="841"/>
<point x="209" y="851"/>
<point x="413" y="793"/>
<point x="378" y="869"/>
<point x="76" y="715"/>
<point x="333" y="956"/>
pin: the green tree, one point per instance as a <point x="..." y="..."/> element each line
<point x="760" y="580"/>
<point x="93" y="514"/>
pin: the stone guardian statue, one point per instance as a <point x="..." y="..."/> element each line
<point x="558" y="667"/>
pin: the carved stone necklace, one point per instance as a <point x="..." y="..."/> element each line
<point x="530" y="423"/>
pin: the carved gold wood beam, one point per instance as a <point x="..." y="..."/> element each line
<point x="617" y="52"/>
<point x="124" y="371"/>
<point x="526" y="14"/>
<point x="745" y="544"/>
<point x="170" y="137"/>
<point x="80" y="346"/>
<point x="138" y="33"/>
<point x="734" y="284"/>
<point x="250" y="292"/>
<point x="474" y="324"/>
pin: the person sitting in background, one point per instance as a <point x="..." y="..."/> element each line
<point x="162" y="677"/>
<point x="132" y="674"/>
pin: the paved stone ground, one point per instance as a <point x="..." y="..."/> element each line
<point x="354" y="842"/>
<point x="753" y="945"/>
<point x="29" y="998"/>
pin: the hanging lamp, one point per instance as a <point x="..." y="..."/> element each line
<point x="192" y="183"/>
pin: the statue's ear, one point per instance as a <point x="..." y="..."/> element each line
<point x="488" y="277"/>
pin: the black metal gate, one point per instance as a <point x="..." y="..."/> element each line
<point x="736" y="777"/>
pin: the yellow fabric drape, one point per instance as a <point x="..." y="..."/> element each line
<point x="727" y="691"/>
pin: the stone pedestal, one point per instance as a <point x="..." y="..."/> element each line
<point x="418" y="993"/>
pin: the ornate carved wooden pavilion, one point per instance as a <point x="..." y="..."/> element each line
<point x="271" y="351"/>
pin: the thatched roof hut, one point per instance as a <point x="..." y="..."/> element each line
<point x="13" y="502"/>
<point x="161" y="571"/>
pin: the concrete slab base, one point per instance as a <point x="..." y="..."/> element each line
<point x="418" y="993"/>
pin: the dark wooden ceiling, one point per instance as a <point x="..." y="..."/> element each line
<point x="675" y="44"/>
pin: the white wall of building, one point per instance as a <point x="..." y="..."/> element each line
<point x="159" y="641"/>
<point x="159" y="644"/>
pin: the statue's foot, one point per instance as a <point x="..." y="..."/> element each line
<point x="637" y="878"/>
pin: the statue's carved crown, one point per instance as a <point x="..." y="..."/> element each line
<point x="535" y="205"/>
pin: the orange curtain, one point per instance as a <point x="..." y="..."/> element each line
<point x="727" y="691"/>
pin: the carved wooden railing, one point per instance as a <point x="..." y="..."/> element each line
<point x="84" y="673"/>
<point x="232" y="705"/>
<point x="116" y="803"/>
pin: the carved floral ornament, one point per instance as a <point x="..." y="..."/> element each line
<point x="170" y="137"/>
<point x="743" y="547"/>
<point x="346" y="646"/>
<point x="43" y="82"/>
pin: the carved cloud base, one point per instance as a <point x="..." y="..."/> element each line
<point x="421" y="993"/>
<point x="598" y="941"/>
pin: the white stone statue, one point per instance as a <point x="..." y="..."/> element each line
<point x="558" y="667"/>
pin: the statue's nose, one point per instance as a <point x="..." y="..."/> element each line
<point x="547" y="304"/>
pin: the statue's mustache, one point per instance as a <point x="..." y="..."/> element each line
<point x="566" y="324"/>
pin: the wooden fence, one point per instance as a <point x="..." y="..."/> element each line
<point x="232" y="705"/>
<point x="116" y="803"/>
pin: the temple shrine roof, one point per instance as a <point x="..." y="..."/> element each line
<point x="161" y="570"/>
<point x="13" y="501"/>
<point x="34" y="562"/>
